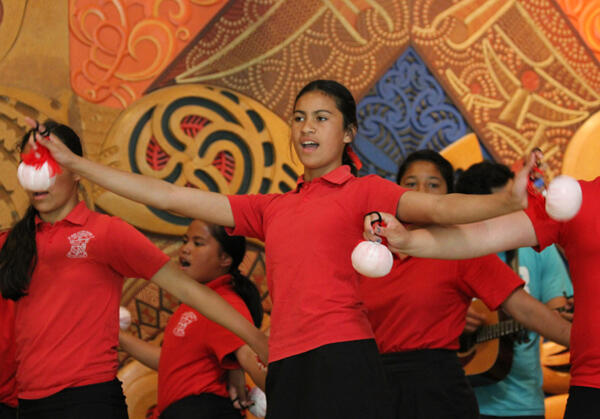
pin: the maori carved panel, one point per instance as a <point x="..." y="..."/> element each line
<point x="11" y="19"/>
<point x="268" y="50"/>
<point x="515" y="68"/>
<point x="585" y="17"/>
<point x="406" y="110"/>
<point x="119" y="47"/>
<point x="198" y="136"/>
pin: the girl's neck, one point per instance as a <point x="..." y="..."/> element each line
<point x="312" y="174"/>
<point x="60" y="213"/>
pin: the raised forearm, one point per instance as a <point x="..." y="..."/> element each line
<point x="460" y="209"/>
<point x="458" y="241"/>
<point x="190" y="202"/>
<point x="211" y="305"/>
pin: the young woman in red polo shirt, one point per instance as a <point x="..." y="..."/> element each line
<point x="64" y="266"/>
<point x="578" y="237"/>
<point x="418" y="312"/>
<point x="323" y="359"/>
<point x="197" y="353"/>
<point x="8" y="364"/>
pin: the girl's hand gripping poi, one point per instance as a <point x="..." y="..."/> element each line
<point x="60" y="152"/>
<point x="522" y="178"/>
<point x="394" y="232"/>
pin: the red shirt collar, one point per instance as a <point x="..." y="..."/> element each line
<point x="337" y="176"/>
<point x="222" y="281"/>
<point x="78" y="215"/>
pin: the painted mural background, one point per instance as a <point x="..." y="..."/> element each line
<point x="199" y="92"/>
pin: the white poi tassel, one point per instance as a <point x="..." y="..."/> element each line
<point x="124" y="318"/>
<point x="35" y="179"/>
<point x="372" y="259"/>
<point x="259" y="408"/>
<point x="563" y="198"/>
<point x="38" y="169"/>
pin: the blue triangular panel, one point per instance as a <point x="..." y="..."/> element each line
<point x="406" y="110"/>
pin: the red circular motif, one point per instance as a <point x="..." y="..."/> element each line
<point x="475" y="88"/>
<point x="530" y="80"/>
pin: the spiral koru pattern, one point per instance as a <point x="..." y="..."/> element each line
<point x="203" y="137"/>
<point x="406" y="110"/>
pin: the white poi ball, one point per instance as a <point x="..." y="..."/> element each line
<point x="35" y="179"/>
<point x="563" y="198"/>
<point x="259" y="408"/>
<point x="372" y="259"/>
<point x="124" y="318"/>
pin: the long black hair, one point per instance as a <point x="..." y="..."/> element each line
<point x="18" y="256"/>
<point x="443" y="165"/>
<point x="481" y="178"/>
<point x="235" y="247"/>
<point x="344" y="102"/>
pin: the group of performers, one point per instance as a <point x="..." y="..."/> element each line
<point x="340" y="345"/>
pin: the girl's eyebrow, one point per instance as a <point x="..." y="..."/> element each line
<point x="314" y="112"/>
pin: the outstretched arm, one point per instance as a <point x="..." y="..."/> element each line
<point x="455" y="241"/>
<point x="538" y="317"/>
<point x="211" y="305"/>
<point x="424" y="208"/>
<point x="145" y="352"/>
<point x="194" y="203"/>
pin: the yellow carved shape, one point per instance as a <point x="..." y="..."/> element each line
<point x="10" y="25"/>
<point x="583" y="152"/>
<point x="158" y="121"/>
<point x="464" y="152"/>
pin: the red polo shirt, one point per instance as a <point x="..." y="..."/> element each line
<point x="580" y="239"/>
<point x="66" y="328"/>
<point x="193" y="358"/>
<point x="309" y="235"/>
<point x="8" y="363"/>
<point x="422" y="303"/>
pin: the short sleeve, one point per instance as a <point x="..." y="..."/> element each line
<point x="130" y="253"/>
<point x="489" y="279"/>
<point x="383" y="195"/>
<point x="546" y="229"/>
<point x="222" y="341"/>
<point x="248" y="214"/>
<point x="554" y="277"/>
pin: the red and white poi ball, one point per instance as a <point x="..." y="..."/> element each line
<point x="38" y="169"/>
<point x="563" y="198"/>
<point x="372" y="259"/>
<point x="259" y="408"/>
<point x="124" y="318"/>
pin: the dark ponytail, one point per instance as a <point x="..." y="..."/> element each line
<point x="348" y="161"/>
<point x="235" y="246"/>
<point x="18" y="256"/>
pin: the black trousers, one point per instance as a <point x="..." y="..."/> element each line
<point x="94" y="401"/>
<point x="427" y="384"/>
<point x="7" y="412"/>
<point x="203" y="406"/>
<point x="339" y="380"/>
<point x="583" y="403"/>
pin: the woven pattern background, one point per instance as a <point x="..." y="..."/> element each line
<point x="406" y="110"/>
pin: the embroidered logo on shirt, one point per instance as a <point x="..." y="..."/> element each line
<point x="79" y="243"/>
<point x="184" y="321"/>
